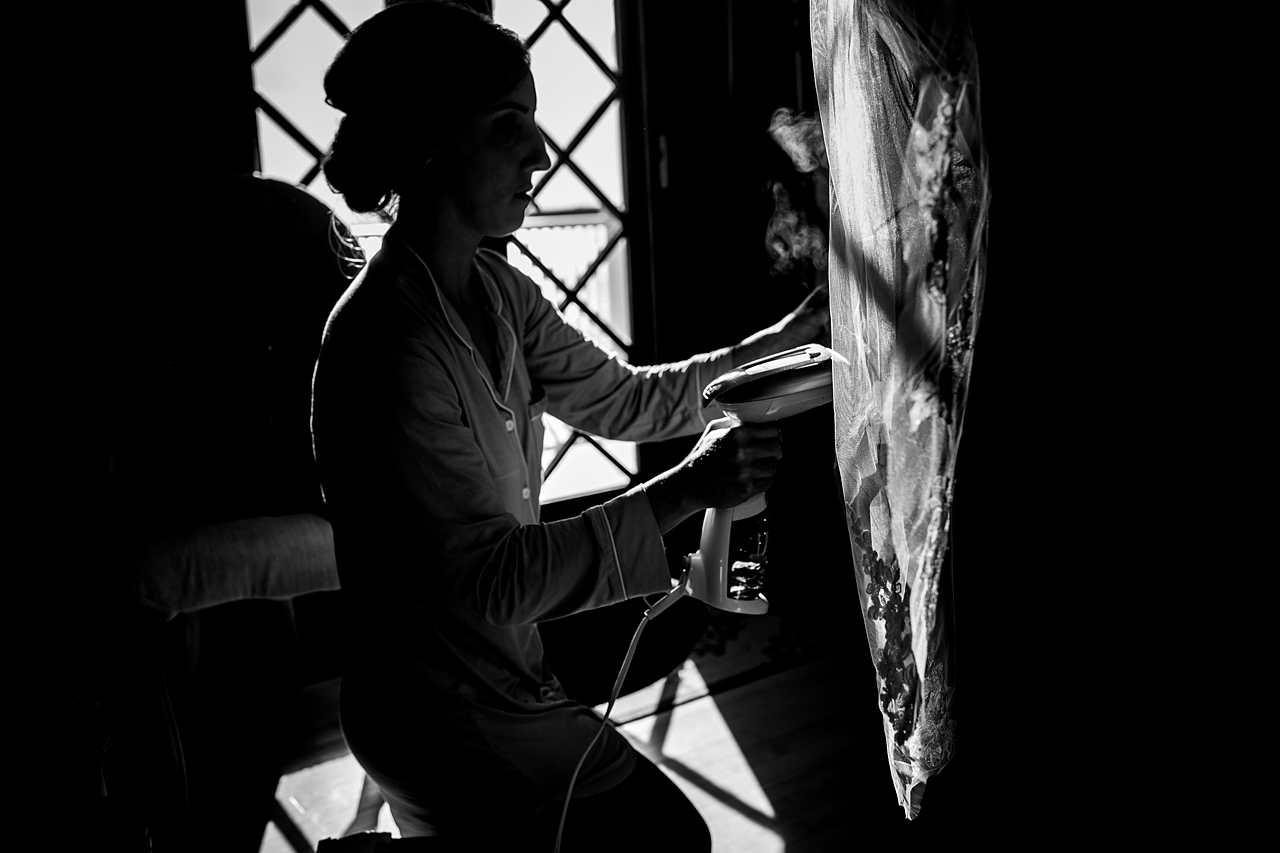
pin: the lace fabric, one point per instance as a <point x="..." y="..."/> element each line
<point x="898" y="98"/>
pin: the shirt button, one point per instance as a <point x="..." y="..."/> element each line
<point x="524" y="493"/>
<point x="511" y="425"/>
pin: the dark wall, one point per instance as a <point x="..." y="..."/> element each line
<point x="106" y="88"/>
<point x="717" y="71"/>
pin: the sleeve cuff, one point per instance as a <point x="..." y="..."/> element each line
<point x="718" y="362"/>
<point x="634" y="560"/>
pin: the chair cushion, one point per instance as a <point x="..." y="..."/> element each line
<point x="274" y="557"/>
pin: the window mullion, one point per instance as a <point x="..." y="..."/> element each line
<point x="586" y="46"/>
<point x="311" y="175"/>
<point x="281" y="27"/>
<point x="591" y="122"/>
<point x="600" y="258"/>
<point x="608" y="455"/>
<point x="287" y="126"/>
<point x="538" y="263"/>
<point x="538" y="31"/>
<point x="590" y="184"/>
<point x="576" y="141"/>
<point x="601" y="324"/>
<point x="560" y="454"/>
<point x="330" y="17"/>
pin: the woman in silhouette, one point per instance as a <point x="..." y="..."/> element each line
<point x="435" y="369"/>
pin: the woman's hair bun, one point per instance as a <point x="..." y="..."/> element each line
<point x="353" y="168"/>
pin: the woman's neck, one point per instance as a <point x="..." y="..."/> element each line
<point x="447" y="251"/>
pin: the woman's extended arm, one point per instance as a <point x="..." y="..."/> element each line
<point x="605" y="396"/>
<point x="810" y="323"/>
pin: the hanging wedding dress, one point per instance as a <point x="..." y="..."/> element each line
<point x="898" y="97"/>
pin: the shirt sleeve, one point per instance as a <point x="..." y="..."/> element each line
<point x="589" y="389"/>
<point x="459" y="541"/>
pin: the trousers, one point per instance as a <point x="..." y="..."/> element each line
<point x="466" y="807"/>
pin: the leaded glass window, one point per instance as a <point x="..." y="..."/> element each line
<point x="574" y="239"/>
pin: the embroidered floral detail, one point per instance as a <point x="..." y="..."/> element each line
<point x="959" y="342"/>
<point x="939" y="521"/>
<point x="935" y="736"/>
<point x="895" y="666"/>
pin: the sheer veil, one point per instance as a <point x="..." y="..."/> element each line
<point x="898" y="97"/>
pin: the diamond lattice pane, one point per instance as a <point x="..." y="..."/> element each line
<point x="556" y="434"/>
<point x="566" y="249"/>
<point x="263" y="17"/>
<point x="291" y="76"/>
<point x="569" y="84"/>
<point x="564" y="193"/>
<point x="622" y="451"/>
<point x="608" y="292"/>
<point x="593" y="19"/>
<point x="575" y="316"/>
<point x="584" y="470"/>
<point x="600" y="155"/>
<point x="522" y="16"/>
<point x="281" y="157"/>
<point x="355" y="12"/>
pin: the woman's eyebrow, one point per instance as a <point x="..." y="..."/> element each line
<point x="508" y="105"/>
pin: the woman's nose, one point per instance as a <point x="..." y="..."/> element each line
<point x="538" y="161"/>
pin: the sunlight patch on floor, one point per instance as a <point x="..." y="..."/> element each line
<point x="686" y="685"/>
<point x="322" y="801"/>
<point x="693" y="745"/>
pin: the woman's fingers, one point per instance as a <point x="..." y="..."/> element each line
<point x="732" y="462"/>
<point x="761" y="441"/>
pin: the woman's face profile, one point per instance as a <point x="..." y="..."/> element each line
<point x="486" y="165"/>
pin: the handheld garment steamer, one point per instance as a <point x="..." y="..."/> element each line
<point x="767" y="389"/>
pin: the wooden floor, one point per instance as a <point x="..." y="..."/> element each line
<point x="794" y="762"/>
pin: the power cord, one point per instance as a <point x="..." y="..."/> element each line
<point x="681" y="589"/>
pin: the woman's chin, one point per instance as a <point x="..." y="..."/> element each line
<point x="506" y="230"/>
<point x="512" y="223"/>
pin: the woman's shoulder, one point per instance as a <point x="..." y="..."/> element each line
<point x="384" y="304"/>
<point x="364" y="297"/>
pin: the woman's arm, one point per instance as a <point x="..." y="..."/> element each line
<point x="416" y="489"/>
<point x="416" y="499"/>
<point x="602" y="395"/>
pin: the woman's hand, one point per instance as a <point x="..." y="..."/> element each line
<point x="810" y="323"/>
<point x="731" y="463"/>
<point x="727" y="466"/>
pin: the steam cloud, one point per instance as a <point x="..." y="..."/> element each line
<point x="790" y="237"/>
<point x="801" y="137"/>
